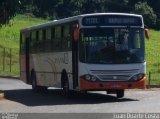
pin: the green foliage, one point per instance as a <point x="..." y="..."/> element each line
<point x="47" y="8"/>
<point x="9" y="34"/>
<point x="9" y="43"/>
<point x="56" y="9"/>
<point x="155" y="5"/>
<point x="153" y="56"/>
<point x="8" y="9"/>
<point x="147" y="12"/>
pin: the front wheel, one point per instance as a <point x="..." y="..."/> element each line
<point x="120" y="93"/>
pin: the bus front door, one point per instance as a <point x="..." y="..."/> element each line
<point x="75" y="61"/>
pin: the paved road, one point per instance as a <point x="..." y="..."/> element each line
<point x="21" y="99"/>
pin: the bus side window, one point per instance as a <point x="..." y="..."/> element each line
<point x="52" y="38"/>
<point x="22" y="43"/>
<point x="33" y="41"/>
<point x="69" y="38"/>
<point x="66" y="41"/>
<point x="48" y="39"/>
<point x="62" y="38"/>
<point x="40" y="41"/>
<point x="44" y="40"/>
<point x="36" y="41"/>
<point x="57" y="43"/>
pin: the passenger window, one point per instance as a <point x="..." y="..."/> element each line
<point x="48" y="39"/>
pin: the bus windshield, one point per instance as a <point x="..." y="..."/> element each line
<point x="111" y="45"/>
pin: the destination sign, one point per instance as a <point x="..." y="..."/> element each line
<point x="112" y="20"/>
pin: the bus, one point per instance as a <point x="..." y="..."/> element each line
<point x="88" y="52"/>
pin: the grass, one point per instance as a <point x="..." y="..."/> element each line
<point x="153" y="56"/>
<point x="9" y="38"/>
<point x="9" y="34"/>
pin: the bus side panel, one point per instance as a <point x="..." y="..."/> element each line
<point x="23" y="68"/>
<point x="31" y="66"/>
<point x="39" y="68"/>
<point x="48" y="68"/>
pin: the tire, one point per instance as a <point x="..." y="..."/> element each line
<point x="120" y="93"/>
<point x="65" y="86"/>
<point x="35" y="87"/>
<point x="34" y="82"/>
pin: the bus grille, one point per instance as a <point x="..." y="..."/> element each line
<point x="114" y="75"/>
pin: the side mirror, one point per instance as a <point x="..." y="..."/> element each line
<point x="76" y="34"/>
<point x="147" y="34"/>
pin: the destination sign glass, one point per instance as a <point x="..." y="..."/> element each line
<point x="112" y="20"/>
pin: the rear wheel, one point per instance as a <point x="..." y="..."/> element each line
<point x="66" y="90"/>
<point x="35" y="87"/>
<point x="65" y="86"/>
<point x="34" y="82"/>
<point x="120" y="93"/>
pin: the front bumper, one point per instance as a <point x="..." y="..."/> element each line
<point x="87" y="85"/>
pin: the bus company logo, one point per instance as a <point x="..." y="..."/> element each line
<point x="102" y="72"/>
<point x="114" y="77"/>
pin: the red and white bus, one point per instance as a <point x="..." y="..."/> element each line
<point x="90" y="52"/>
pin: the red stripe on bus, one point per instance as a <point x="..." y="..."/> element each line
<point x="87" y="85"/>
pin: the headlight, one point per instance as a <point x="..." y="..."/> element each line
<point x="137" y="77"/>
<point x="140" y="76"/>
<point x="134" y="78"/>
<point x="89" y="77"/>
<point x="93" y="78"/>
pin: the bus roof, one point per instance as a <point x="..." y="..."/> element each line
<point x="74" y="18"/>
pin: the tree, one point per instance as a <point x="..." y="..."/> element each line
<point x="26" y="6"/>
<point x="148" y="14"/>
<point x="155" y="5"/>
<point x="116" y="5"/>
<point x="56" y="9"/>
<point x="64" y="9"/>
<point x="8" y="9"/>
<point x="46" y="8"/>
